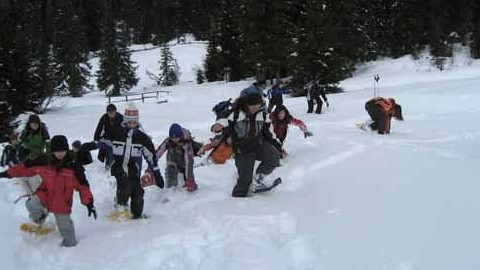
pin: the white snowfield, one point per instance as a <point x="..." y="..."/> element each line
<point x="349" y="199"/>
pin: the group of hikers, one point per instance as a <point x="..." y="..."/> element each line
<point x="246" y="129"/>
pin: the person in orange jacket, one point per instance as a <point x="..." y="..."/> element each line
<point x="221" y="145"/>
<point x="60" y="177"/>
<point x="381" y="111"/>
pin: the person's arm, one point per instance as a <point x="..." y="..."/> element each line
<point x="299" y="123"/>
<point x="82" y="186"/>
<point x="99" y="129"/>
<point x="161" y="149"/>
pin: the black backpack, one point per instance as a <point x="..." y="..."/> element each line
<point x="223" y="108"/>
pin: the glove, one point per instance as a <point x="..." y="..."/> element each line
<point x="190" y="185"/>
<point x="4" y="175"/>
<point x="91" y="210"/>
<point x="308" y="134"/>
<point x="158" y="178"/>
<point x="328" y="104"/>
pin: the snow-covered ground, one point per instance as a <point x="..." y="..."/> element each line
<point x="349" y="199"/>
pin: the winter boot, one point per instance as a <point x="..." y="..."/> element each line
<point x="258" y="182"/>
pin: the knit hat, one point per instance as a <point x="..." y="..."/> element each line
<point x="254" y="99"/>
<point x="175" y="131"/>
<point x="58" y="143"/>
<point x="77" y="144"/>
<point x="131" y="113"/>
<point x="111" y="108"/>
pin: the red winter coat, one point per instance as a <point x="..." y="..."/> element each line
<point x="56" y="190"/>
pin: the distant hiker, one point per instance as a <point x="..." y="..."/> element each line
<point x="314" y="91"/>
<point x="128" y="145"/>
<point x="252" y="139"/>
<point x="34" y="139"/>
<point x="10" y="152"/>
<point x="180" y="149"/>
<point x="60" y="177"/>
<point x="107" y="123"/>
<point x="281" y="118"/>
<point x="381" y="111"/>
<point x="275" y="96"/>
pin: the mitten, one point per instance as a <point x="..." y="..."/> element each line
<point x="91" y="210"/>
<point x="158" y="178"/>
<point x="190" y="185"/>
<point x="308" y="134"/>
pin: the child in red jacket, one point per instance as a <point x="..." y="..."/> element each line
<point x="280" y="119"/>
<point x="60" y="177"/>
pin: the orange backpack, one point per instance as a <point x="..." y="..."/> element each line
<point x="221" y="154"/>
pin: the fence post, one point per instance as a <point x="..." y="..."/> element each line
<point x="143" y="99"/>
<point x="109" y="100"/>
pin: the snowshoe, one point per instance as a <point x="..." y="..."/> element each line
<point x="36" y="229"/>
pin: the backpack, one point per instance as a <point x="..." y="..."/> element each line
<point x="223" y="109"/>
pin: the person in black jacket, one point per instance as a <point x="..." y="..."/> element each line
<point x="252" y="139"/>
<point x="81" y="152"/>
<point x="129" y="144"/>
<point x="314" y="91"/>
<point x="108" y="122"/>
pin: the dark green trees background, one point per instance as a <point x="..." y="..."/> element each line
<point x="45" y="44"/>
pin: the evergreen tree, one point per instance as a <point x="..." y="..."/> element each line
<point x="200" y="76"/>
<point x="321" y="51"/>
<point x="116" y="72"/>
<point x="169" y="69"/>
<point x="213" y="62"/>
<point x="71" y="49"/>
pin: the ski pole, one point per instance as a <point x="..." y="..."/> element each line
<point x="376" y="89"/>
<point x="21" y="197"/>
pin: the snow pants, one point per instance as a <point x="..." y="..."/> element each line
<point x="245" y="162"/>
<point x="175" y="165"/>
<point x="130" y="188"/>
<point x="319" y="102"/>
<point x="38" y="213"/>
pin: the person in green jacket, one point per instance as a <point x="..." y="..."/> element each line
<point x="34" y="139"/>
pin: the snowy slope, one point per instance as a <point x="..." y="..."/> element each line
<point x="350" y="199"/>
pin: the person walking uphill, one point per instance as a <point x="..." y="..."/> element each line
<point x="252" y="139"/>
<point x="128" y="145"/>
<point x="281" y="118"/>
<point x="314" y="91"/>
<point x="381" y="111"/>
<point x="60" y="177"/>
<point x="34" y="139"/>
<point x="180" y="152"/>
<point x="107" y="123"/>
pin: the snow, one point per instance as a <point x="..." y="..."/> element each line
<point x="349" y="199"/>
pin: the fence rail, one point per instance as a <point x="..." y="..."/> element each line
<point x="138" y="96"/>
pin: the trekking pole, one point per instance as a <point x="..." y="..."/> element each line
<point x="21" y="197"/>
<point x="376" y="89"/>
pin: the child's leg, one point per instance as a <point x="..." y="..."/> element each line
<point x="136" y="204"/>
<point x="36" y="211"/>
<point x="171" y="174"/>
<point x="30" y="184"/>
<point x="65" y="226"/>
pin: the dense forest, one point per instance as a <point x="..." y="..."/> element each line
<point x="45" y="45"/>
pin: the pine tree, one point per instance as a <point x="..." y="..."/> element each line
<point x="321" y="51"/>
<point x="200" y="76"/>
<point x="116" y="72"/>
<point x="169" y="69"/>
<point x="213" y="62"/>
<point x="73" y="69"/>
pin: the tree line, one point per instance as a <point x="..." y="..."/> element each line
<point x="45" y="45"/>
